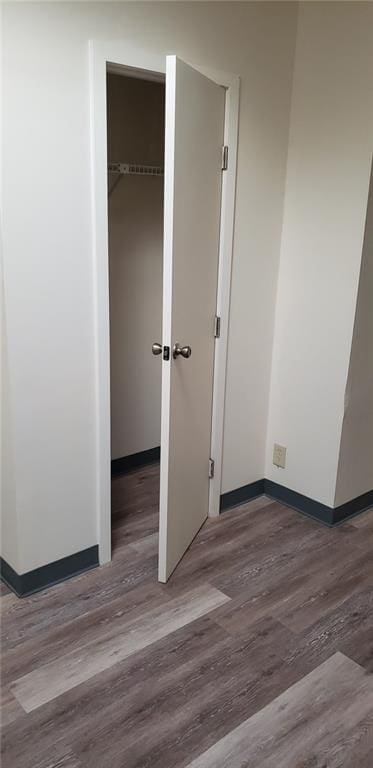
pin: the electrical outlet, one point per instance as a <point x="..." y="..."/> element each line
<point x="279" y="455"/>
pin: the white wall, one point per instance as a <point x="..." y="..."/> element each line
<point x="135" y="134"/>
<point x="355" y="469"/>
<point x="9" y="521"/>
<point x="325" y="203"/>
<point x="48" y="241"/>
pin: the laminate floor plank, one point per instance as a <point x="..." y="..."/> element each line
<point x="10" y="709"/>
<point x="271" y="539"/>
<point x="114" y="644"/>
<point x="135" y="502"/>
<point x="99" y="708"/>
<point x="4" y="589"/>
<point x="317" y="722"/>
<point x="28" y="617"/>
<point x="130" y="528"/>
<point x="363" y="749"/>
<point x="351" y="628"/>
<point x="7" y="600"/>
<point x="364" y="520"/>
<point x="119" y="672"/>
<point x="194" y="683"/>
<point x="348" y="628"/>
<point x="186" y="692"/>
<point x="202" y="702"/>
<point x="276" y="558"/>
<point x="296" y="592"/>
<point x="68" y="636"/>
<point x="148" y="545"/>
<point x="328" y="590"/>
<point x="58" y="760"/>
<point x="132" y="489"/>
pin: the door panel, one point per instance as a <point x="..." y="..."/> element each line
<point x="194" y="137"/>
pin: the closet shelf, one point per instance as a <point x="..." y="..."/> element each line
<point x="134" y="169"/>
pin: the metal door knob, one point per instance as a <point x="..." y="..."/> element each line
<point x="157" y="349"/>
<point x="183" y="351"/>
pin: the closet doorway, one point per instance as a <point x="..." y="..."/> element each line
<point x="200" y="126"/>
<point x="135" y="150"/>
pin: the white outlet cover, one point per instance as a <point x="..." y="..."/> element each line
<point x="279" y="455"/>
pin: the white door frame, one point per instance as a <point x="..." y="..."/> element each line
<point x="125" y="54"/>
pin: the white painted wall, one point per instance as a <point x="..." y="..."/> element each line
<point x="48" y="241"/>
<point x="325" y="203"/>
<point x="135" y="134"/>
<point x="355" y="468"/>
<point x="9" y="521"/>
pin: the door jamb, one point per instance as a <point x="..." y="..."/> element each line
<point x="125" y="54"/>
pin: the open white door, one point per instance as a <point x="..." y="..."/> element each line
<point x="193" y="151"/>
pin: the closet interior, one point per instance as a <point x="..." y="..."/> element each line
<point x="135" y="129"/>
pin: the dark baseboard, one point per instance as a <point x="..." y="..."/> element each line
<point x="240" y="495"/>
<point x="301" y="503"/>
<point x="134" y="461"/>
<point x="40" y="578"/>
<point x="327" y="515"/>
<point x="353" y="507"/>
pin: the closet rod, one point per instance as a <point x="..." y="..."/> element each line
<point x="135" y="169"/>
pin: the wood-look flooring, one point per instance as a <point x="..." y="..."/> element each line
<point x="258" y="653"/>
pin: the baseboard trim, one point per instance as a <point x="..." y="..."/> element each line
<point x="241" y="495"/>
<point x="300" y="503"/>
<point x="328" y="515"/>
<point x="353" y="507"/>
<point x="40" y="578"/>
<point x="134" y="461"/>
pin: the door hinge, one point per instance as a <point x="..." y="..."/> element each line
<point x="211" y="468"/>
<point x="224" y="158"/>
<point x="217" y="322"/>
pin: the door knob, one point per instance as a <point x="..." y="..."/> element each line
<point x="183" y="351"/>
<point x="157" y="349"/>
